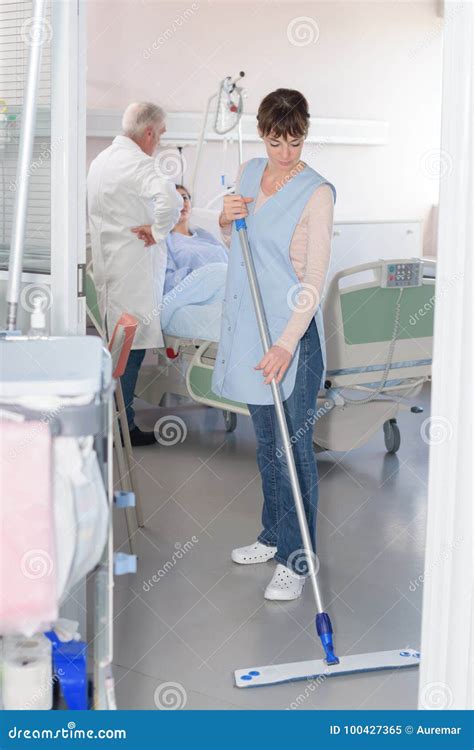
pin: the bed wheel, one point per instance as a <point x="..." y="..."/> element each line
<point x="391" y="434"/>
<point x="230" y="420"/>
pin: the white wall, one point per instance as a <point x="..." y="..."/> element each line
<point x="371" y="60"/>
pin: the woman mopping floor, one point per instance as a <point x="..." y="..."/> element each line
<point x="274" y="284"/>
<point x="288" y="209"/>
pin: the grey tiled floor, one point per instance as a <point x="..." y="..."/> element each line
<point x="206" y="616"/>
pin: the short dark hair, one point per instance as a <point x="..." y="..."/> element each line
<point x="283" y="113"/>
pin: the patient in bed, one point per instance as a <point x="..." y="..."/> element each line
<point x="189" y="249"/>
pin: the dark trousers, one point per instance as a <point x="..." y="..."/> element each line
<point x="129" y="381"/>
<point x="279" y="519"/>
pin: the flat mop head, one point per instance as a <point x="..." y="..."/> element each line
<point x="318" y="668"/>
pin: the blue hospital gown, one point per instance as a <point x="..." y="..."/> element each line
<point x="186" y="254"/>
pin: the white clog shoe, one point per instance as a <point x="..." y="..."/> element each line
<point x="254" y="553"/>
<point x="285" y="585"/>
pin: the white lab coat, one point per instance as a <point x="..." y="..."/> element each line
<point x="124" y="190"/>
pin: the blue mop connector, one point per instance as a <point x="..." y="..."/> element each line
<point x="324" y="629"/>
<point x="240" y="224"/>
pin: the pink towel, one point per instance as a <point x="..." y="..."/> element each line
<point x="28" y="600"/>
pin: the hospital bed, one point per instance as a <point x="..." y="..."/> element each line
<point x="379" y="337"/>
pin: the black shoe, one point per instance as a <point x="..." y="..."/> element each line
<point x="137" y="437"/>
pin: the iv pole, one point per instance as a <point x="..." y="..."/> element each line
<point x="227" y="86"/>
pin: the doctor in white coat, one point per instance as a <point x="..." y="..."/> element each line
<point x="132" y="207"/>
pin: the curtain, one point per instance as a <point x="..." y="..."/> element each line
<point x="447" y="656"/>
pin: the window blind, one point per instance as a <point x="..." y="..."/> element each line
<point x="17" y="35"/>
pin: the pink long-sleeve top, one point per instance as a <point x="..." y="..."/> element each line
<point x="310" y="250"/>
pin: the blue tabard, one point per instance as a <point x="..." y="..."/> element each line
<point x="270" y="230"/>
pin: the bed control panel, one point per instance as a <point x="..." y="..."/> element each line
<point x="398" y="274"/>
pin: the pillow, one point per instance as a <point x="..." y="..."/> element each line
<point x="208" y="219"/>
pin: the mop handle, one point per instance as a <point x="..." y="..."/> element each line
<point x="241" y="227"/>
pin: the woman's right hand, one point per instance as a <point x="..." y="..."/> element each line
<point x="235" y="207"/>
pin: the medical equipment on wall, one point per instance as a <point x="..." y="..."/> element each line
<point x="226" y="123"/>
<point x="253" y="676"/>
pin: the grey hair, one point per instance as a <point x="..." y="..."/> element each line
<point x="139" y="116"/>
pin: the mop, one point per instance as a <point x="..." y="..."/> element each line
<point x="330" y="665"/>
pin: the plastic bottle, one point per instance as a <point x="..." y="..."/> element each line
<point x="38" y="319"/>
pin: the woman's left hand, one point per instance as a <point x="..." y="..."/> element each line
<point x="274" y="364"/>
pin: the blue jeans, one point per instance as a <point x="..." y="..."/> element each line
<point x="279" y="519"/>
<point x="129" y="381"/>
